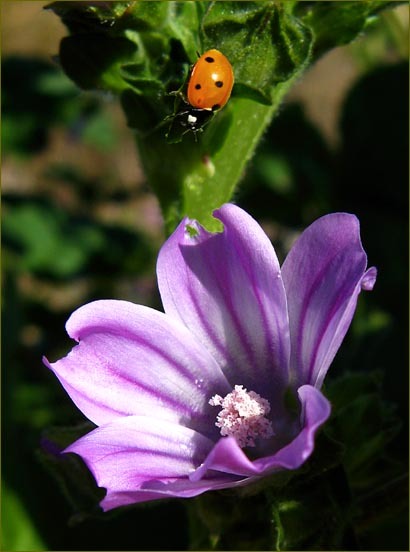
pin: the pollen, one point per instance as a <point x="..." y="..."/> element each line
<point x="243" y="416"/>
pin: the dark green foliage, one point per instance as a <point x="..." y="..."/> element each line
<point x="338" y="23"/>
<point x="142" y="51"/>
<point x="61" y="246"/>
<point x="35" y="95"/>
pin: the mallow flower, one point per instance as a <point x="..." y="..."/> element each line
<point x="224" y="387"/>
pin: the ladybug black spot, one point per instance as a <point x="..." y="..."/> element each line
<point x="198" y="87"/>
<point x="219" y="84"/>
<point x="209" y="59"/>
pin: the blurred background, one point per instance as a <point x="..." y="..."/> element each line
<point x="79" y="222"/>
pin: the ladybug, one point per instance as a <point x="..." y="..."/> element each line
<point x="211" y="81"/>
<point x="209" y="89"/>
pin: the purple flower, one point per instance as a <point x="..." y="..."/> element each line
<point x="197" y="398"/>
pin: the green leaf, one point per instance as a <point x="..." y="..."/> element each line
<point x="138" y="110"/>
<point x="100" y="132"/>
<point x="338" y="23"/>
<point x="92" y="61"/>
<point x="365" y="424"/>
<point x="45" y="244"/>
<point x="142" y="51"/>
<point x="147" y="16"/>
<point x="352" y="386"/>
<point x="81" y="17"/>
<point x="315" y="516"/>
<point x="265" y="43"/>
<point x="35" y="96"/>
<point x="44" y="239"/>
<point x="18" y="531"/>
<point x="204" y="174"/>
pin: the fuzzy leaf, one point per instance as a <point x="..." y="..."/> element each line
<point x="337" y="23"/>
<point x="143" y="51"/>
<point x="91" y="60"/>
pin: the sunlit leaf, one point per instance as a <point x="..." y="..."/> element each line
<point x="18" y="530"/>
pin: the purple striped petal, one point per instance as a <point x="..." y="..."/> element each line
<point x="227" y="289"/>
<point x="137" y="459"/>
<point x="315" y="411"/>
<point x="132" y="360"/>
<point x="323" y="275"/>
<point x="228" y="457"/>
<point x="171" y="487"/>
<point x="369" y="279"/>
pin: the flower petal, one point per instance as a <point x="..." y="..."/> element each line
<point x="369" y="279"/>
<point x="323" y="274"/>
<point x="181" y="487"/>
<point x="132" y="360"/>
<point x="315" y="411"/>
<point x="227" y="289"/>
<point x="137" y="458"/>
<point x="228" y="457"/>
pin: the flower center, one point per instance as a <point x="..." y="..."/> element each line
<point x="243" y="416"/>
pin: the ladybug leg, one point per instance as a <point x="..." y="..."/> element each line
<point x="178" y="93"/>
<point x="179" y="98"/>
<point x="174" y="115"/>
<point x="194" y="131"/>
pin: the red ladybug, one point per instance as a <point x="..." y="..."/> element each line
<point x="209" y="89"/>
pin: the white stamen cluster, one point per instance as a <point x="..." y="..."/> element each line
<point x="243" y="416"/>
